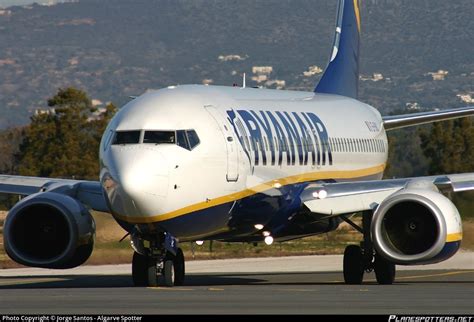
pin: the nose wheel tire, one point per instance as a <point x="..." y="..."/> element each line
<point x="168" y="273"/>
<point x="353" y="265"/>
<point x="179" y="268"/>
<point x="149" y="270"/>
<point x="139" y="269"/>
<point x="144" y="270"/>
<point x="152" y="272"/>
<point x="384" y="270"/>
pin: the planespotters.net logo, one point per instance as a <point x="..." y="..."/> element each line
<point x="401" y="318"/>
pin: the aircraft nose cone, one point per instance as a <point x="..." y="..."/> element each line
<point x="140" y="176"/>
<point x="131" y="178"/>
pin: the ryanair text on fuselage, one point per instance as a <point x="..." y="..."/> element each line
<point x="302" y="136"/>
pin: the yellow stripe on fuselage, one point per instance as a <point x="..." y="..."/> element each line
<point x="453" y="237"/>
<point x="357" y="13"/>
<point x="312" y="176"/>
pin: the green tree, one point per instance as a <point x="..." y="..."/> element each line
<point x="405" y="157"/>
<point x="449" y="146"/>
<point x="466" y="132"/>
<point x="10" y="140"/>
<point x="64" y="140"/>
<point x="99" y="124"/>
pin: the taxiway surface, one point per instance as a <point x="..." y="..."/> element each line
<point x="285" y="285"/>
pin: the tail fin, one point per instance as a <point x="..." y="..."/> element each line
<point x="342" y="73"/>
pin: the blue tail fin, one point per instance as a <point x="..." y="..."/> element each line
<point x="342" y="73"/>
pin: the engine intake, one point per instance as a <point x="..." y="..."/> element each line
<point x="49" y="230"/>
<point x="411" y="227"/>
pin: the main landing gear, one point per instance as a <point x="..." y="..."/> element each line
<point x="162" y="257"/>
<point x="360" y="259"/>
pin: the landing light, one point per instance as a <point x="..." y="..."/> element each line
<point x="266" y="233"/>
<point x="199" y="242"/>
<point x="321" y="194"/>
<point x="277" y="185"/>
<point x="269" y="240"/>
<point x="258" y="226"/>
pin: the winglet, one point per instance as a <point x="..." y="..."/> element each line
<point x="341" y="76"/>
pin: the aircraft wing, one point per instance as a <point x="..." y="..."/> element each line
<point x="88" y="192"/>
<point x="393" y="122"/>
<point x="334" y="199"/>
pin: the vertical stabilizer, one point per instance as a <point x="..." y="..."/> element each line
<point x="342" y="73"/>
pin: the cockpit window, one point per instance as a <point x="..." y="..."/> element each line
<point x="126" y="137"/>
<point x="187" y="139"/>
<point x="159" y="137"/>
<point x="182" y="139"/>
<point x="107" y="139"/>
<point x="193" y="138"/>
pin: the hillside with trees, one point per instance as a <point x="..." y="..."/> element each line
<point x="114" y="49"/>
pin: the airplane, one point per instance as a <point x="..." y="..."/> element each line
<point x="238" y="164"/>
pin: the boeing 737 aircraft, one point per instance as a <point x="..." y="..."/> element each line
<point x="237" y="164"/>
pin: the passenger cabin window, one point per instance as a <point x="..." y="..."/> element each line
<point x="159" y="137"/>
<point x="126" y="137"/>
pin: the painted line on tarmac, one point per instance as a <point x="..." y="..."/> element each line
<point x="159" y="288"/>
<point x="297" y="290"/>
<point x="415" y="276"/>
<point x="428" y="275"/>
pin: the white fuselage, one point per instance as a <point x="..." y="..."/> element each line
<point x="250" y="142"/>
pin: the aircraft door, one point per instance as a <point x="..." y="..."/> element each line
<point x="230" y="140"/>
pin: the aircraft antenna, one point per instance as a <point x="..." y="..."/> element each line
<point x="243" y="81"/>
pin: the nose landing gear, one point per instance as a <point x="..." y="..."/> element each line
<point x="162" y="257"/>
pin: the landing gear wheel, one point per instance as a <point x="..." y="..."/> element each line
<point x="179" y="269"/>
<point x="384" y="270"/>
<point x="162" y="258"/>
<point x="139" y="269"/>
<point x="168" y="273"/>
<point x="353" y="265"/>
<point x="152" y="272"/>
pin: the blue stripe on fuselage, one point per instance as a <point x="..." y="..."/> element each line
<point x="235" y="220"/>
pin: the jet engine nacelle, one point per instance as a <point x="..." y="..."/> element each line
<point x="49" y="230"/>
<point x="416" y="226"/>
